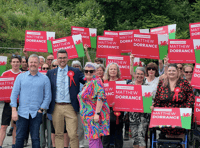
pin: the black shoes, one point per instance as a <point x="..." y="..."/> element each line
<point x="10" y="132"/>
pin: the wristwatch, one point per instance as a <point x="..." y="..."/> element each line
<point x="98" y="113"/>
<point x="41" y="109"/>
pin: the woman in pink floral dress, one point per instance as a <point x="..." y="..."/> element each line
<point x="94" y="109"/>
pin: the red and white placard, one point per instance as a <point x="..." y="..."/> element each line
<point x="107" y="46"/>
<point x="123" y="62"/>
<point x="36" y="41"/>
<point x="145" y="45"/>
<point x="196" y="117"/>
<point x="109" y="90"/>
<point x="195" y="82"/>
<point x="194" y="30"/>
<point x="6" y="85"/>
<point x="44" y="72"/>
<point x="84" y="32"/>
<point x="66" y="43"/>
<point x="126" y="40"/>
<point x="128" y="98"/>
<point x="181" y="51"/>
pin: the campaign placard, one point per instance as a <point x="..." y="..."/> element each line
<point x="123" y="62"/>
<point x="84" y="32"/>
<point x="171" y="117"/>
<point x="195" y="82"/>
<point x="3" y="62"/>
<point x="145" y="45"/>
<point x="6" y="85"/>
<point x="126" y="40"/>
<point x="167" y="30"/>
<point x="181" y="51"/>
<point x="163" y="45"/>
<point x="196" y="43"/>
<point x="128" y="98"/>
<point x="194" y="30"/>
<point x="136" y="63"/>
<point x="196" y="117"/>
<point x="66" y="43"/>
<point x="107" y="46"/>
<point x="36" y="41"/>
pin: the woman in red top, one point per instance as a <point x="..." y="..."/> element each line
<point x="115" y="139"/>
<point x="165" y="96"/>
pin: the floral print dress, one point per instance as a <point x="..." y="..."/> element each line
<point x="93" y="91"/>
<point x="167" y="98"/>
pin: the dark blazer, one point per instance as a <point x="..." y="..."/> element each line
<point x="73" y="90"/>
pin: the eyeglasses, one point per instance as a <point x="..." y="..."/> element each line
<point x="54" y="65"/>
<point x="139" y="74"/>
<point x="16" y="56"/>
<point x="76" y="66"/>
<point x="150" y="68"/>
<point x="45" y="68"/>
<point x="86" y="71"/>
<point x="180" y="68"/>
<point x="50" y="59"/>
<point x="188" y="72"/>
<point x="62" y="58"/>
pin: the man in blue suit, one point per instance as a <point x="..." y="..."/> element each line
<point x="64" y="105"/>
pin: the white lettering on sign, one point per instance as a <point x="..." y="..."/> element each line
<point x="197" y="66"/>
<point x="115" y="58"/>
<point x="127" y="97"/>
<point x="182" y="50"/>
<point x="34" y="33"/>
<point x="198" y="100"/>
<point x="108" y="46"/>
<point x="166" y="117"/>
<point x="125" y="87"/>
<point x="5" y="87"/>
<point x="142" y="36"/>
<point x="197" y="75"/>
<point x="126" y="33"/>
<point x="111" y="33"/>
<point x="196" y="25"/>
<point x="34" y="40"/>
<point x="156" y="29"/>
<point x="126" y="41"/>
<point x="196" y="33"/>
<point x="59" y="41"/>
<point x="145" y="45"/>
<point x="177" y="42"/>
<point x="7" y="79"/>
<point x="105" y="38"/>
<point x="78" y="29"/>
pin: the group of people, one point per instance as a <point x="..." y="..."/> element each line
<point x="70" y="101"/>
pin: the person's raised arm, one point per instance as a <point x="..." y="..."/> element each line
<point x="131" y="65"/>
<point x="25" y="53"/>
<point x="87" y="53"/>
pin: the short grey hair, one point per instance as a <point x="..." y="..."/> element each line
<point x="100" y="66"/>
<point x="140" y="68"/>
<point x="90" y="64"/>
<point x="34" y="55"/>
<point x="76" y="62"/>
<point x="42" y="58"/>
<point x="53" y="61"/>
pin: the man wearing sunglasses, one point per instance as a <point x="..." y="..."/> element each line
<point x="64" y="105"/>
<point x="7" y="111"/>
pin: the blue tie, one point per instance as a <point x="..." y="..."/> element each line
<point x="62" y="91"/>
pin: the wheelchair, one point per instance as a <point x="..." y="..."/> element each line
<point x="163" y="142"/>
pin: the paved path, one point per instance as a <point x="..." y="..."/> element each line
<point x="8" y="140"/>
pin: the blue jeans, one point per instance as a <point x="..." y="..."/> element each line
<point x="22" y="127"/>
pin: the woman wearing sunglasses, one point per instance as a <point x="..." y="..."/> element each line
<point x="188" y="71"/>
<point x="45" y="66"/>
<point x="94" y="110"/>
<point x="54" y="64"/>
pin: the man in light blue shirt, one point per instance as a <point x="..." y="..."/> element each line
<point x="34" y="91"/>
